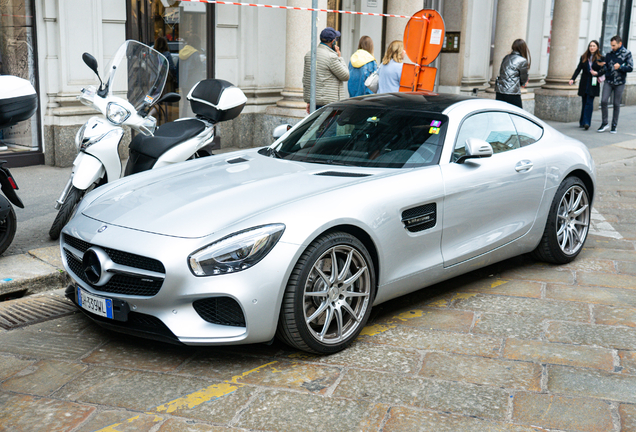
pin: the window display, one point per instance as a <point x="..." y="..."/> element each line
<point x="18" y="58"/>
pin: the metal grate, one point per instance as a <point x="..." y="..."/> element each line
<point x="220" y="310"/>
<point x="118" y="284"/>
<point x="33" y="309"/>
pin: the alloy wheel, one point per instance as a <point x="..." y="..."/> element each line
<point x="573" y="220"/>
<point x="337" y="294"/>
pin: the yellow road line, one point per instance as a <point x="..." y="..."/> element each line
<point x="215" y="391"/>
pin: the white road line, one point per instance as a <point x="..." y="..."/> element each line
<point x="600" y="227"/>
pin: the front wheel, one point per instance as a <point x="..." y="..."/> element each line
<point x="568" y="223"/>
<point x="66" y="212"/>
<point x="7" y="230"/>
<point x="329" y="295"/>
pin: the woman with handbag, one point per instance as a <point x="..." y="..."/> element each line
<point x="361" y="66"/>
<point x="391" y="69"/>
<point x="590" y="84"/>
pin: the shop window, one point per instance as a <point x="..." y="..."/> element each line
<point x="187" y="31"/>
<point x="616" y="20"/>
<point x="18" y="57"/>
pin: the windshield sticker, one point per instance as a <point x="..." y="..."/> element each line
<point x="433" y="130"/>
<point x="436" y="123"/>
<point x="149" y="99"/>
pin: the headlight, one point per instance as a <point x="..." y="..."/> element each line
<point x="116" y="113"/>
<point x="79" y="138"/>
<point x="235" y="252"/>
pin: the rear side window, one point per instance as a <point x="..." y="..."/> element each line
<point x="528" y="132"/>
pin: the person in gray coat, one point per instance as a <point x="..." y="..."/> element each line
<point x="331" y="71"/>
<point x="513" y="74"/>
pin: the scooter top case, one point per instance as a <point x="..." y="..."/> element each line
<point x="18" y="100"/>
<point x="216" y="100"/>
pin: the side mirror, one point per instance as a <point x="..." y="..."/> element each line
<point x="169" y="98"/>
<point x="281" y="130"/>
<point x="476" y="148"/>
<point x="91" y="62"/>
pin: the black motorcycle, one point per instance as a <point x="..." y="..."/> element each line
<point x="18" y="102"/>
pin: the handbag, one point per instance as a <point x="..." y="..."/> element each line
<point x="373" y="81"/>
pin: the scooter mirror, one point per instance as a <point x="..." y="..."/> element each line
<point x="169" y="98"/>
<point x="91" y="62"/>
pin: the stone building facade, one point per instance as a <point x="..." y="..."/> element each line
<point x="261" y="50"/>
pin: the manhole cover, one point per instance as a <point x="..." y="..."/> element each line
<point x="30" y="310"/>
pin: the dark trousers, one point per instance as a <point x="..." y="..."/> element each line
<point x="587" y="106"/>
<point x="617" y="90"/>
<point x="511" y="99"/>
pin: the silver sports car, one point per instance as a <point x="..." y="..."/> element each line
<point x="363" y="201"/>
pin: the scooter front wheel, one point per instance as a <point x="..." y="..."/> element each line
<point x="66" y="212"/>
<point x="7" y="230"/>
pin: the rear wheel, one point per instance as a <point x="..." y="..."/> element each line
<point x="66" y="212"/>
<point x="329" y="295"/>
<point x="7" y="230"/>
<point x="568" y="223"/>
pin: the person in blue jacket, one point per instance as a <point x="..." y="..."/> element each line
<point x="618" y="62"/>
<point x="361" y="65"/>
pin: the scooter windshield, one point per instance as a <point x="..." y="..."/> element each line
<point x="138" y="73"/>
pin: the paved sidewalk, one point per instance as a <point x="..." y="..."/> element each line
<point x="517" y="346"/>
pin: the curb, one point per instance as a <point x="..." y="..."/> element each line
<point x="37" y="271"/>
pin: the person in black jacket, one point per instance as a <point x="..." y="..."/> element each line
<point x="589" y="86"/>
<point x="617" y="64"/>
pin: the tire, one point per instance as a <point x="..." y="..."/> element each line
<point x="8" y="228"/>
<point x="568" y="223"/>
<point x="323" y="310"/>
<point x="66" y="212"/>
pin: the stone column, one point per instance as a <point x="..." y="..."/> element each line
<point x="512" y="24"/>
<point x="556" y="100"/>
<point x="395" y="26"/>
<point x="297" y="44"/>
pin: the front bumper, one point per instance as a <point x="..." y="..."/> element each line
<point x="183" y="308"/>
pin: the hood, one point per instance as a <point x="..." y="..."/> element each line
<point x="186" y="52"/>
<point x="360" y="58"/>
<point x="197" y="198"/>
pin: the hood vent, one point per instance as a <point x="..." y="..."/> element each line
<point x="236" y="160"/>
<point x="341" y="174"/>
<point x="420" y="218"/>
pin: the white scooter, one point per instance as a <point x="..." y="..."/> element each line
<point x="139" y="73"/>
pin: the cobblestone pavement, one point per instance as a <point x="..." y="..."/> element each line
<point x="518" y="346"/>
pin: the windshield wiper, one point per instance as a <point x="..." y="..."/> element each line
<point x="272" y="152"/>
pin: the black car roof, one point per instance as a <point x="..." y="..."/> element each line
<point x="417" y="101"/>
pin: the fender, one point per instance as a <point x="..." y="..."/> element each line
<point x="87" y="169"/>
<point x="5" y="208"/>
<point x="7" y="186"/>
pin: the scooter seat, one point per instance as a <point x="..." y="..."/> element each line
<point x="166" y="137"/>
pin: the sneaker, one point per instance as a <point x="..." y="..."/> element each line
<point x="603" y="128"/>
<point x="586" y="127"/>
<point x="613" y="129"/>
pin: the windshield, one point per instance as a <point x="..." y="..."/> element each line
<point x="367" y="137"/>
<point x="137" y="73"/>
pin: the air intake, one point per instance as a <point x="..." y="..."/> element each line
<point x="420" y="218"/>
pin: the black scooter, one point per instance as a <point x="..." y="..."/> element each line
<point x="18" y="102"/>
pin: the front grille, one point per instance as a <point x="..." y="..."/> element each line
<point x="118" y="284"/>
<point x="420" y="218"/>
<point x="119" y="257"/>
<point x="220" y="310"/>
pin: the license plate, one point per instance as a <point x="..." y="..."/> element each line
<point x="97" y="305"/>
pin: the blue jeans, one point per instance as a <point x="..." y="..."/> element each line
<point x="587" y="106"/>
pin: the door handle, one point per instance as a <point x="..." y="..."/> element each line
<point x="524" y="166"/>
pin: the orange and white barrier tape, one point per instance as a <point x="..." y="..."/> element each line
<point x="302" y="9"/>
